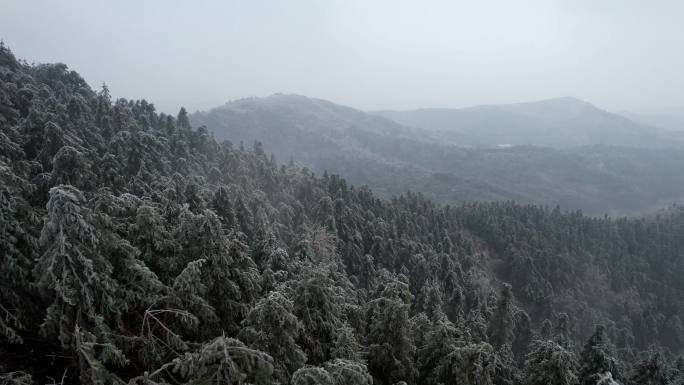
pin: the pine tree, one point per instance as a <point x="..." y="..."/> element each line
<point x="69" y="167"/>
<point x="502" y="324"/>
<point x="562" y="331"/>
<point x="77" y="279"/>
<point x="336" y="372"/>
<point x="347" y="346"/>
<point x="150" y="234"/>
<point x="182" y="120"/>
<point x="431" y="301"/>
<point x="271" y="327"/>
<point x="229" y="274"/>
<point x="320" y="311"/>
<point x="442" y="339"/>
<point x="523" y="335"/>
<point x="390" y="348"/>
<point x="312" y="375"/>
<point x="651" y="369"/>
<point x="18" y="248"/>
<point x="677" y="377"/>
<point x="348" y="372"/>
<point x="550" y="363"/>
<point x="474" y="364"/>
<point x="597" y="358"/>
<point x="222" y="360"/>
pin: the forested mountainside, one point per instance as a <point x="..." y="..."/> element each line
<point x="391" y="158"/>
<point x="561" y="123"/>
<point x="137" y="249"/>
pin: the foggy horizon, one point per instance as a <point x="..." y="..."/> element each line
<point x="380" y="56"/>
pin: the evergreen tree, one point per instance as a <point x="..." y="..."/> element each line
<point x="475" y="364"/>
<point x="347" y="346"/>
<point x="336" y="372"/>
<point x="312" y="375"/>
<point x="550" y="363"/>
<point x="182" y="120"/>
<point x="17" y="251"/>
<point x="651" y="369"/>
<point x="78" y="280"/>
<point x="442" y="339"/>
<point x="390" y="349"/>
<point x="320" y="311"/>
<point x="222" y="360"/>
<point x="597" y="358"/>
<point x="271" y="327"/>
<point x="501" y="327"/>
<point x="348" y="372"/>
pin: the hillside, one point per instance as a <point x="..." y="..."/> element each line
<point x="673" y="122"/>
<point x="561" y="123"/>
<point x="391" y="158"/>
<point x="317" y="134"/>
<point x="137" y="249"/>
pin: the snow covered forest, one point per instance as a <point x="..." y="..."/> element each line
<point x="136" y="249"/>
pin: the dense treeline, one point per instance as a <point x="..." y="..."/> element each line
<point x="136" y="249"/>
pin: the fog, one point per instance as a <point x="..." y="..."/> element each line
<point x="620" y="55"/>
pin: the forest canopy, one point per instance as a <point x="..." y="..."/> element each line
<point x="137" y="249"/>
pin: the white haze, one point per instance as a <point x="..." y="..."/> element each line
<point x="618" y="54"/>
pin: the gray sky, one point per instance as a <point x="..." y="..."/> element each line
<point x="386" y="54"/>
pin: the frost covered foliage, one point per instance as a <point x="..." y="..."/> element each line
<point x="136" y="249"/>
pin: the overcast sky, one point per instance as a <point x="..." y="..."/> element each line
<point x="617" y="54"/>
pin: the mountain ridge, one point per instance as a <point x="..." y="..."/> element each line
<point x="558" y="122"/>
<point x="392" y="158"/>
<point x="673" y="122"/>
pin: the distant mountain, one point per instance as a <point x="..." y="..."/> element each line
<point x="321" y="135"/>
<point x="673" y="122"/>
<point x="561" y="123"/>
<point x="309" y="127"/>
<point x="392" y="158"/>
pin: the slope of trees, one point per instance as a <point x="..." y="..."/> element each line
<point x="598" y="177"/>
<point x="137" y="249"/>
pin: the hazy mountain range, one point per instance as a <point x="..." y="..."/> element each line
<point x="562" y="122"/>
<point x="556" y="152"/>
<point x="671" y="121"/>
